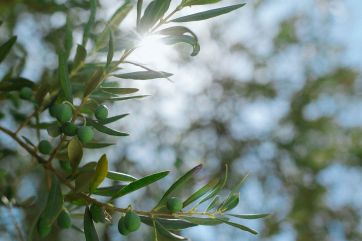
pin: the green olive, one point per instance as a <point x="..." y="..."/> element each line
<point x="44" y="147"/>
<point x="174" y="204"/>
<point x="63" y="113"/>
<point x="101" y="113"/>
<point x="132" y="221"/>
<point x="85" y="134"/>
<point x="43" y="228"/>
<point x="53" y="131"/>
<point x="69" y="128"/>
<point x="122" y="227"/>
<point x="97" y="213"/>
<point x="64" y="220"/>
<point x="26" y="93"/>
<point x="54" y="109"/>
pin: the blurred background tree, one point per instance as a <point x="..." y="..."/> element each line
<point x="280" y="99"/>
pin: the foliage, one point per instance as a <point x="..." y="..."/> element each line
<point x="73" y="108"/>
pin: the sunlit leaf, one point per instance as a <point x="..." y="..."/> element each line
<point x="176" y="186"/>
<point x="171" y="40"/>
<point x="122" y="177"/>
<point x="208" y="14"/>
<point x="75" y="152"/>
<point x="153" y="13"/>
<point x="117" y="18"/>
<point x="120" y="91"/>
<point x="140" y="183"/>
<point x="139" y="11"/>
<point x="101" y="172"/>
<point x="89" y="229"/>
<point x="6" y="47"/>
<point x="143" y="75"/>
<point x="199" y="2"/>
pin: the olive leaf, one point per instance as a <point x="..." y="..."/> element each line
<point x="203" y="221"/>
<point x="218" y="187"/>
<point x="250" y="216"/>
<point x="94" y="81"/>
<point x="54" y="203"/>
<point x="201" y="192"/>
<point x="75" y="153"/>
<point x="171" y="40"/>
<point x="161" y="230"/>
<point x="108" y="191"/>
<point x="122" y="177"/>
<point x="106" y="130"/>
<point x="140" y="183"/>
<point x="100" y="173"/>
<point x="176" y="186"/>
<point x="153" y="13"/>
<point x="110" y="49"/>
<point x="6" y="47"/>
<point x="214" y="203"/>
<point x="207" y="14"/>
<point x="90" y="232"/>
<point x="120" y="91"/>
<point x="79" y="59"/>
<point x="239" y="226"/>
<point x="198" y="2"/>
<point x="169" y="223"/>
<point x="112" y="119"/>
<point x="89" y="25"/>
<point x="143" y="75"/>
<point x="64" y="76"/>
<point x="97" y="145"/>
<point x="68" y="43"/>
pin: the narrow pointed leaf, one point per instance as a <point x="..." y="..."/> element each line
<point x="122" y="177"/>
<point x="94" y="81"/>
<point x="201" y="192"/>
<point x="250" y="216"/>
<point x="108" y="191"/>
<point x="113" y="119"/>
<point x="101" y="172"/>
<point x="143" y="75"/>
<point x="239" y="226"/>
<point x="231" y="202"/>
<point x="75" y="153"/>
<point x="203" y="221"/>
<point x="117" y="18"/>
<point x="168" y="223"/>
<point x="106" y="130"/>
<point x="177" y="185"/>
<point x="153" y="13"/>
<point x="68" y="37"/>
<point x="127" y="98"/>
<point x="214" y="203"/>
<point x="161" y="230"/>
<point x="199" y="2"/>
<point x="207" y="14"/>
<point x="54" y="203"/>
<point x="110" y="49"/>
<point x="6" y="47"/>
<point x="139" y="10"/>
<point x="140" y="183"/>
<point x="119" y="91"/>
<point x="89" y="229"/>
<point x="97" y="145"/>
<point x="91" y="20"/>
<point x="218" y="187"/>
<point x="171" y="40"/>
<point x="64" y="77"/>
<point x="79" y="58"/>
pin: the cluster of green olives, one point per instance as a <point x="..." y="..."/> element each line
<point x="63" y="113"/>
<point x="64" y="221"/>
